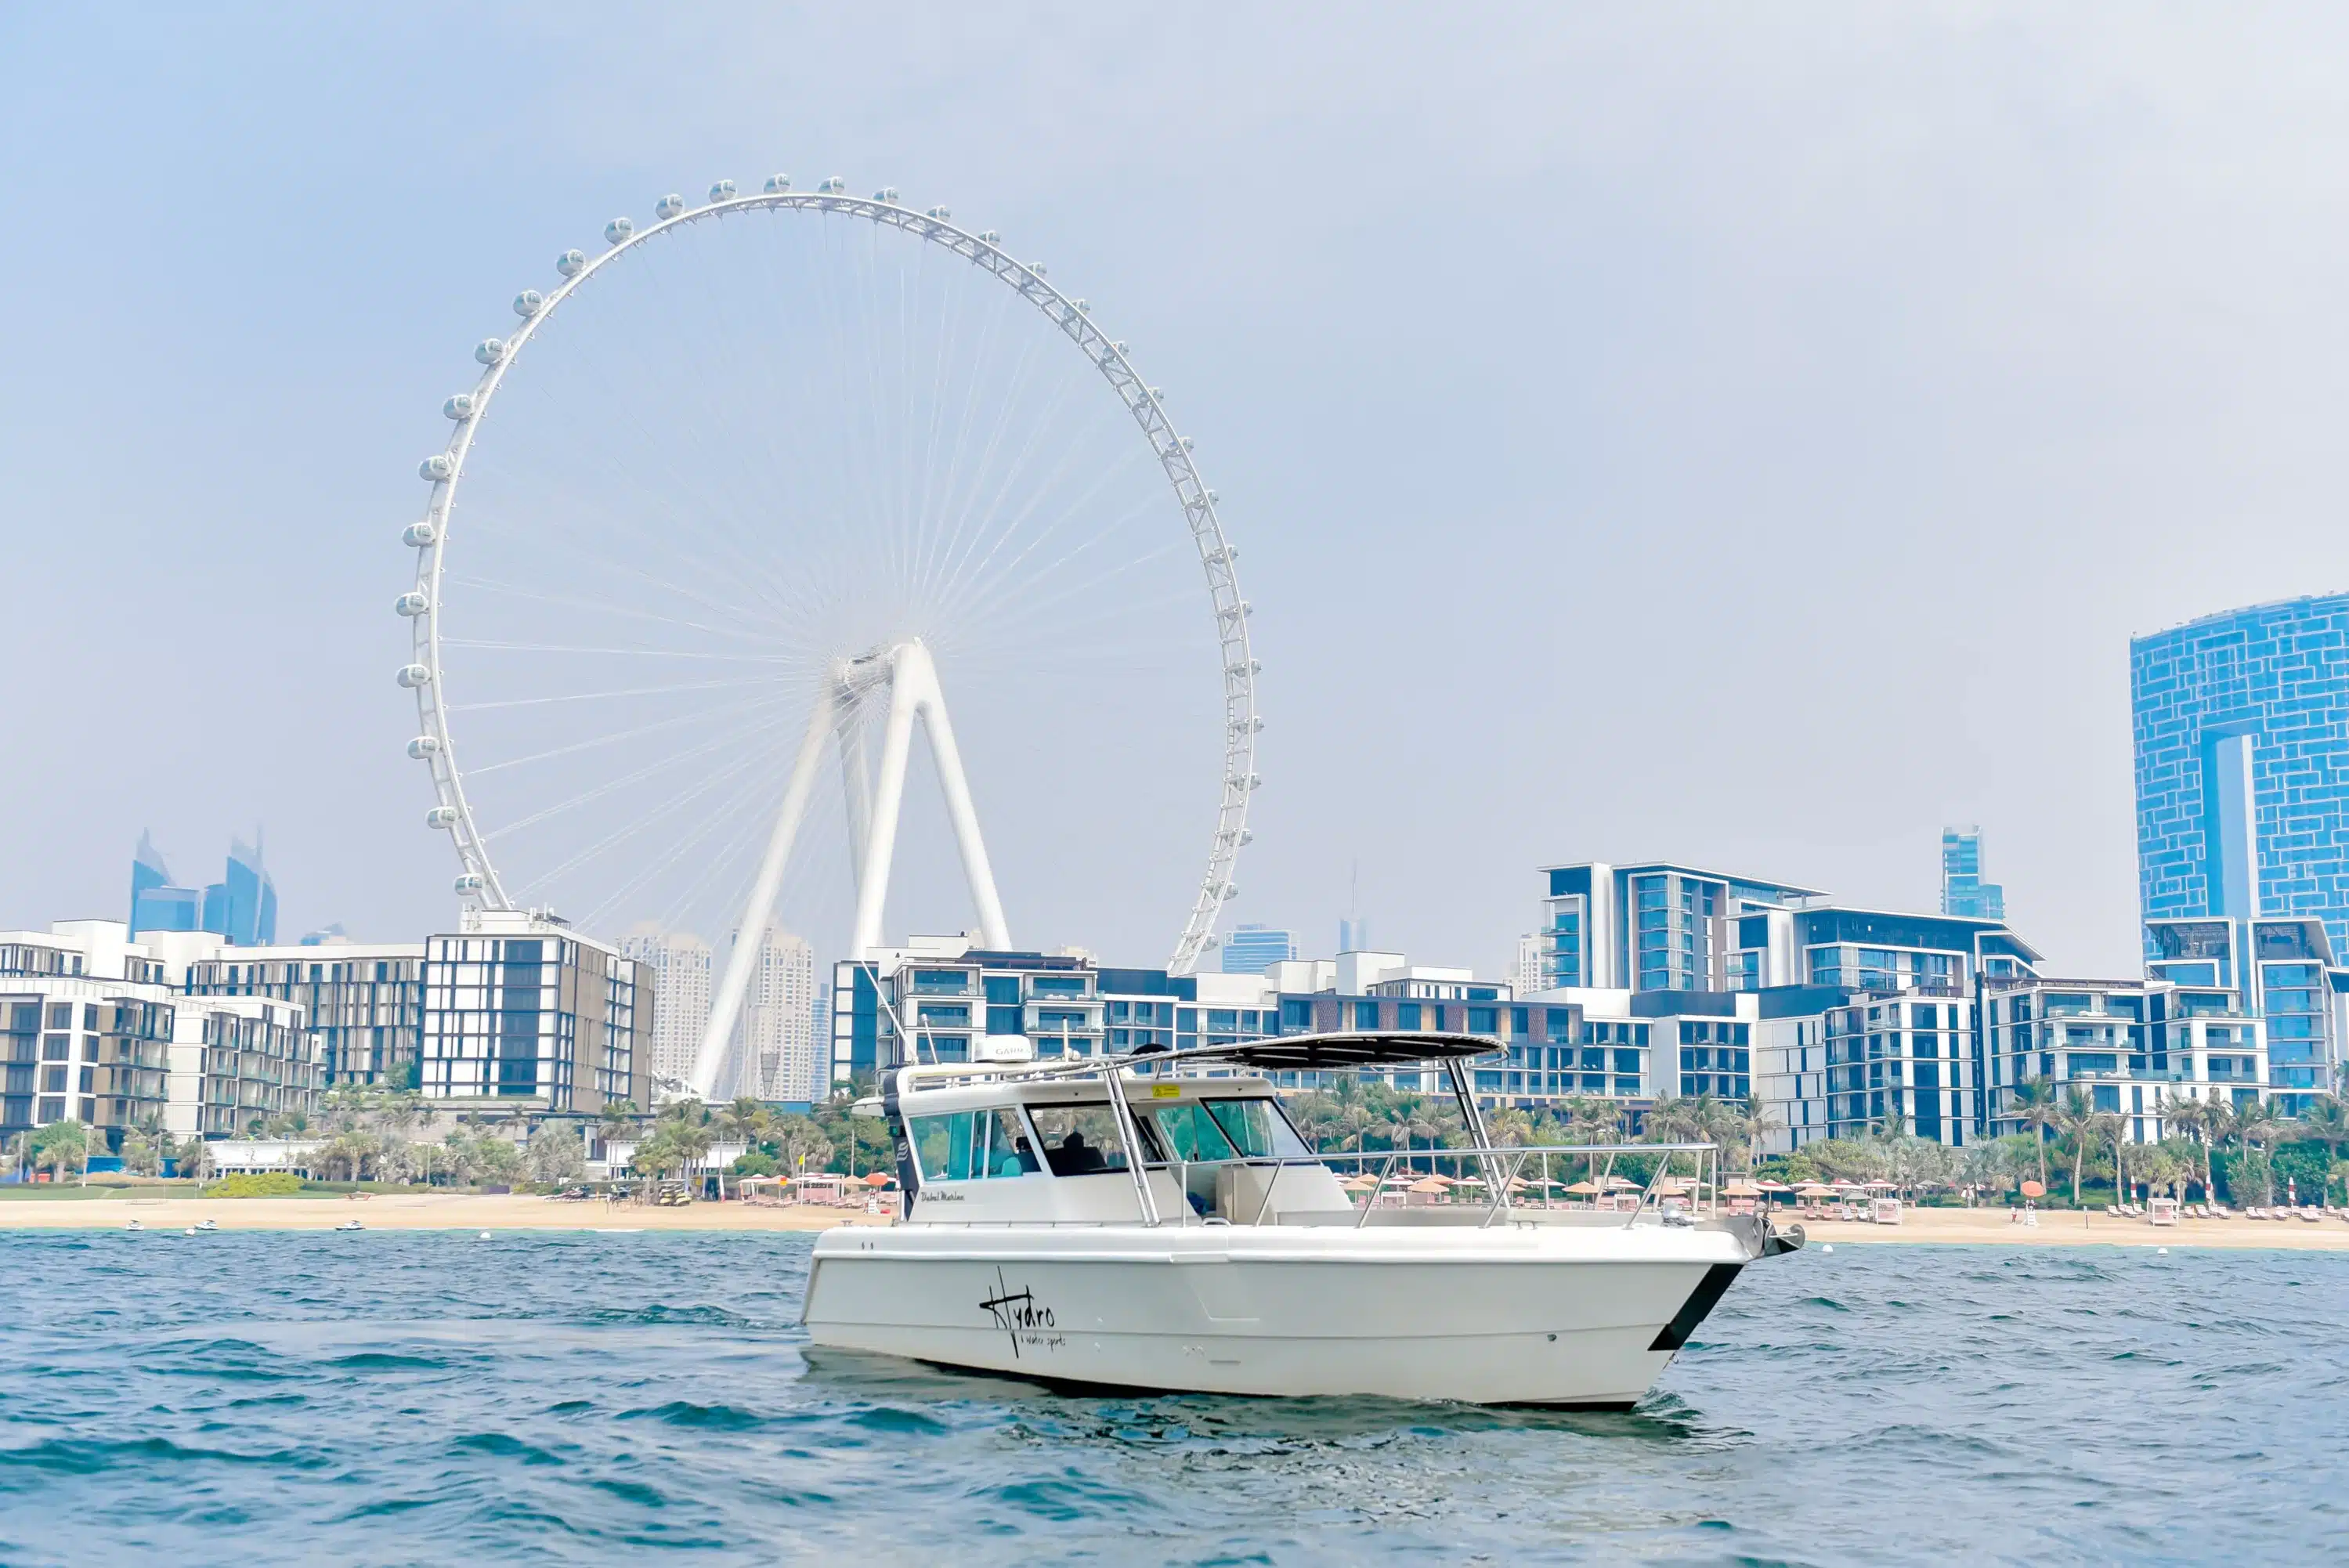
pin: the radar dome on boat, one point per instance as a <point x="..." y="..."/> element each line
<point x="571" y="263"/>
<point x="414" y="676"/>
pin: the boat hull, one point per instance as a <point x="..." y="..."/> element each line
<point x="1519" y="1316"/>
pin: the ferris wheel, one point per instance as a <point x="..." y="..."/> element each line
<point x="750" y="491"/>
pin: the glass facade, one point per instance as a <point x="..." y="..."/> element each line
<point x="2241" y="730"/>
<point x="241" y="908"/>
<point x="1253" y="949"/>
<point x="544" y="1018"/>
<point x="1964" y="892"/>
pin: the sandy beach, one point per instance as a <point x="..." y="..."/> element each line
<point x="464" y="1212"/>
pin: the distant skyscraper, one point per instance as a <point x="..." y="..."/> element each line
<point x="680" y="963"/>
<point x="1353" y="936"/>
<point x="1529" y="974"/>
<point x="1253" y="949"/>
<point x="2242" y="729"/>
<point x="155" y="903"/>
<point x="775" y="1055"/>
<point x="1964" y="892"/>
<point x="242" y="908"/>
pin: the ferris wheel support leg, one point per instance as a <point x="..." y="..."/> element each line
<point x="975" y="869"/>
<point x="752" y="937"/>
<point x="856" y="776"/>
<point x="880" y="835"/>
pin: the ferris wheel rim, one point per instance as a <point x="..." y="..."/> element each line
<point x="478" y="880"/>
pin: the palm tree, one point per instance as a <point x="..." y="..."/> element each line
<point x="2078" y="1118"/>
<point x="1752" y="1122"/>
<point x="2033" y="1104"/>
<point x="19" y="1151"/>
<point x="2257" y="1129"/>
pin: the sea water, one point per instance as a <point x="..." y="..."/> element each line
<point x="390" y="1398"/>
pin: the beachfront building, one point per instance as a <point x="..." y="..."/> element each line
<point x="1836" y="1020"/>
<point x="365" y="1001"/>
<point x="2133" y="1048"/>
<point x="2282" y="971"/>
<point x="96" y="1032"/>
<point x="2242" y="729"/>
<point x="522" y="1013"/>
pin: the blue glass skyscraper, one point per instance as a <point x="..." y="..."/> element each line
<point x="1253" y="949"/>
<point x="2241" y="726"/>
<point x="1964" y="892"/>
<point x="241" y="907"/>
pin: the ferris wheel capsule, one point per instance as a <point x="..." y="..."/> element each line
<point x="669" y="206"/>
<point x="417" y="535"/>
<point x="410" y="603"/>
<point x="529" y="303"/>
<point x="436" y="467"/>
<point x="940" y="213"/>
<point x="777" y="183"/>
<point x="989" y="237"/>
<point x="571" y="263"/>
<point x="834" y="186"/>
<point x="424" y="747"/>
<point x="887" y="193"/>
<point x="440" y="816"/>
<point x="617" y="230"/>
<point x="723" y="191"/>
<point x="490" y="350"/>
<point x="414" y="676"/>
<point x="471" y="883"/>
<point x="460" y="406"/>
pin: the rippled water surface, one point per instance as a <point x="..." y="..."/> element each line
<point x="391" y="1398"/>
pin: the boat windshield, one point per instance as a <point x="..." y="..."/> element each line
<point x="1258" y="1129"/>
<point x="1078" y="1140"/>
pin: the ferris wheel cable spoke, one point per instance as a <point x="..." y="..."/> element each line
<point x="971" y="577"/>
<point x="603" y="696"/>
<point x="941" y="544"/>
<point x="1027" y="602"/>
<point x="676" y="721"/>
<point x="585" y="797"/>
<point x="638" y="824"/>
<point x="729" y="814"/>
<point x="610" y="786"/>
<point x="483" y="646"/>
<point x="953" y="568"/>
<point x="483" y="585"/>
<point x="1075" y="510"/>
<point x="966" y="508"/>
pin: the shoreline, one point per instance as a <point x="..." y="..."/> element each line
<point x="495" y="1212"/>
<point x="418" y="1212"/>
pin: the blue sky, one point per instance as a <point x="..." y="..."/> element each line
<point x="1743" y="437"/>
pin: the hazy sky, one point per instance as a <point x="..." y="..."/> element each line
<point x="1743" y="434"/>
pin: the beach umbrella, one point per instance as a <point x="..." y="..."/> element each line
<point x="1585" y="1188"/>
<point x="1813" y="1190"/>
<point x="1771" y="1187"/>
<point x="880" y="1179"/>
<point x="1743" y="1190"/>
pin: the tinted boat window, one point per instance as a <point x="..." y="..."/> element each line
<point x="1258" y="1129"/>
<point x="971" y="1145"/>
<point x="1190" y="1133"/>
<point x="1078" y="1140"/>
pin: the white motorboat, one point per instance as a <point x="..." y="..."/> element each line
<point x="1154" y="1222"/>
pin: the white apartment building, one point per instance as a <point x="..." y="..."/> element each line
<point x="775" y="1039"/>
<point x="522" y="1013"/>
<point x="95" y="1033"/>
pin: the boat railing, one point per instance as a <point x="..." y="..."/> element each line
<point x="1505" y="1167"/>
